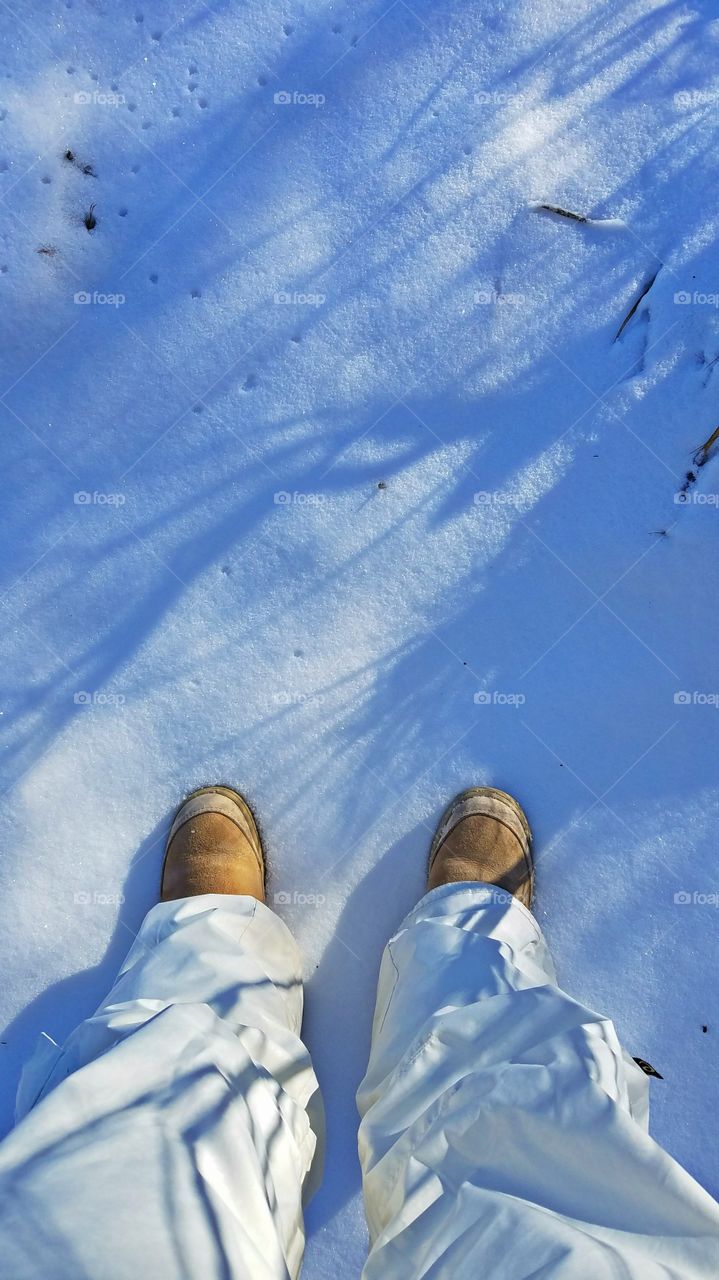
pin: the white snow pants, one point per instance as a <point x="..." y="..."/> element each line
<point x="503" y="1133"/>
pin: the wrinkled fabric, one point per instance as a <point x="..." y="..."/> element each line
<point x="177" y="1133"/>
<point x="504" y="1130"/>
<point x="174" y="1134"/>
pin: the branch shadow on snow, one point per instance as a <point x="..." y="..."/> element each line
<point x="425" y="390"/>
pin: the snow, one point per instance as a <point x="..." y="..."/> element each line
<point x="373" y="504"/>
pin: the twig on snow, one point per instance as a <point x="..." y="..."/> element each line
<point x="562" y="213"/>
<point x="633" y="308"/>
<point x="605" y="224"/>
<point x="702" y="453"/>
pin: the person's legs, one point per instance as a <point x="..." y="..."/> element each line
<point x="503" y="1128"/>
<point x="175" y="1133"/>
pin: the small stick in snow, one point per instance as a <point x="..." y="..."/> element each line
<point x="702" y="453"/>
<point x="633" y="308"/>
<point x="90" y="220"/>
<point x="562" y="213"/>
<point x="603" y="224"/>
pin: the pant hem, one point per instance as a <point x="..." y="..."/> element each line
<point x="471" y="892"/>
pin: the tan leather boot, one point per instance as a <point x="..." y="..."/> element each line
<point x="484" y="835"/>
<point x="213" y="847"/>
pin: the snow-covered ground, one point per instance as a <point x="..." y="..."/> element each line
<point x="326" y="475"/>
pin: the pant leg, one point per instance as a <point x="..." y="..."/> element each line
<point x="504" y="1131"/>
<point x="174" y="1134"/>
